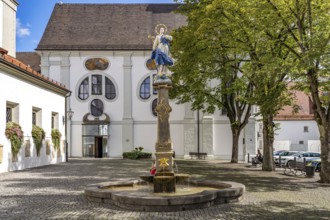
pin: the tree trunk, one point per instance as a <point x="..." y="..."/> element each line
<point x="268" y="139"/>
<point x="321" y="116"/>
<point x="235" y="136"/>
<point x="325" y="154"/>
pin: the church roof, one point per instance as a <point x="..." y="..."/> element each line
<point x="31" y="59"/>
<point x="25" y="72"/>
<point x="107" y="26"/>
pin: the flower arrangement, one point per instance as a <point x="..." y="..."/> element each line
<point x="38" y="135"/>
<point x="56" y="138"/>
<point x="15" y="134"/>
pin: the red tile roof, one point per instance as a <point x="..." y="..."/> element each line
<point x="20" y="65"/>
<point x="305" y="111"/>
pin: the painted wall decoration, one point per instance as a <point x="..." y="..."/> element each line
<point x="151" y="64"/>
<point x="97" y="64"/>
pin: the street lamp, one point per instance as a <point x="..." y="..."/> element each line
<point x="69" y="114"/>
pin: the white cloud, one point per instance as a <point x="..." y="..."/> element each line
<point x="21" y="30"/>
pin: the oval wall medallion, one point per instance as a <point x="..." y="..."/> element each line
<point x="97" y="64"/>
<point x="151" y="64"/>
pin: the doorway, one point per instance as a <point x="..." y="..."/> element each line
<point x="98" y="146"/>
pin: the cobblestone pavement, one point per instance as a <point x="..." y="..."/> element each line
<point x="56" y="192"/>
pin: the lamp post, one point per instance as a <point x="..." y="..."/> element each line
<point x="69" y="114"/>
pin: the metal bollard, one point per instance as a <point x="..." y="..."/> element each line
<point x="248" y="157"/>
<point x="279" y="162"/>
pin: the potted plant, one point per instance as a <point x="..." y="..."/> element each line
<point x="38" y="135"/>
<point x="15" y="134"/>
<point x="56" y="138"/>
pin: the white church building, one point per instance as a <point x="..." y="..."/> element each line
<point x="101" y="52"/>
<point x="27" y="98"/>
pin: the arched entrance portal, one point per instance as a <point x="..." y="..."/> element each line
<point x="95" y="135"/>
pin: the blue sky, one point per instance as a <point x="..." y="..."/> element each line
<point x="33" y="15"/>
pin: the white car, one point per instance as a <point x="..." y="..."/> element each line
<point x="283" y="155"/>
<point x="308" y="156"/>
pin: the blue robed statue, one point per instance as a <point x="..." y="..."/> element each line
<point x="161" y="51"/>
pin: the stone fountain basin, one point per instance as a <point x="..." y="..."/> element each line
<point x="223" y="192"/>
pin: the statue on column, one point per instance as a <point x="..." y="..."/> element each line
<point x="161" y="51"/>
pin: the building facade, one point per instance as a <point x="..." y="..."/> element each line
<point x="27" y="98"/>
<point x="104" y="59"/>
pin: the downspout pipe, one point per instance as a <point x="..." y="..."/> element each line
<point x="65" y="128"/>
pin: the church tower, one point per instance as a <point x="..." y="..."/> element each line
<point x="8" y="10"/>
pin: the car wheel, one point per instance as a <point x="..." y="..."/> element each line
<point x="290" y="163"/>
<point x="318" y="167"/>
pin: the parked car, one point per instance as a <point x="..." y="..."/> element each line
<point x="317" y="164"/>
<point x="277" y="153"/>
<point x="300" y="156"/>
<point x="283" y="155"/>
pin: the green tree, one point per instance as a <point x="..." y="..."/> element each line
<point x="307" y="37"/>
<point x="207" y="74"/>
<point x="228" y="35"/>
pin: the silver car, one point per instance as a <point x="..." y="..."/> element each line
<point x="300" y="157"/>
<point x="284" y="155"/>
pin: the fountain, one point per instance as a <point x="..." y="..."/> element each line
<point x="164" y="191"/>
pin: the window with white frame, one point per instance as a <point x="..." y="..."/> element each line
<point x="12" y="112"/>
<point x="96" y="85"/>
<point x="146" y="88"/>
<point x="55" y="121"/>
<point x="36" y="116"/>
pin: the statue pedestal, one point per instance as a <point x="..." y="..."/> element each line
<point x="164" y="180"/>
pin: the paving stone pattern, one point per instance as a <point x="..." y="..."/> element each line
<point x="56" y="192"/>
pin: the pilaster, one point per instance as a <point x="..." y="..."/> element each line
<point x="207" y="135"/>
<point x="127" y="129"/>
<point x="190" y="132"/>
<point x="44" y="64"/>
<point x="65" y="70"/>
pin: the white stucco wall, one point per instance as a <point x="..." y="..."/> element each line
<point x="293" y="131"/>
<point x="8" y="26"/>
<point x="27" y="96"/>
<point x="314" y="145"/>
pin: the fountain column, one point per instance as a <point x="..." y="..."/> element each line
<point x="164" y="180"/>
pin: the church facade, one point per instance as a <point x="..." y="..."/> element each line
<point x="101" y="52"/>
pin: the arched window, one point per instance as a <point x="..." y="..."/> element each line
<point x="97" y="107"/>
<point x="97" y="84"/>
<point x="153" y="107"/>
<point x="83" y="92"/>
<point x="145" y="88"/>
<point x="110" y="89"/>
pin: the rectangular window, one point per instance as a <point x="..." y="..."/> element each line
<point x="305" y="128"/>
<point x="9" y="113"/>
<point x="54" y="120"/>
<point x="36" y="116"/>
<point x="301" y="142"/>
<point x="12" y="112"/>
<point x="96" y="84"/>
